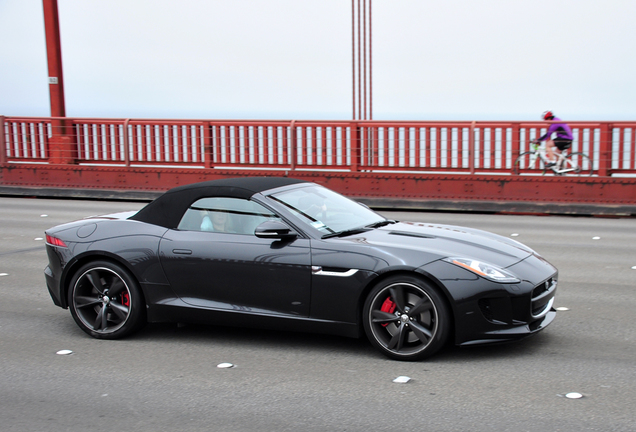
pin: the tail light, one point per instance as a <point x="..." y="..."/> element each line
<point x="54" y="241"/>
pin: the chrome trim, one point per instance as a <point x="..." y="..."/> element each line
<point x="546" y="310"/>
<point x="318" y="271"/>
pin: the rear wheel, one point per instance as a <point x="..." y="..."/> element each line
<point x="105" y="301"/>
<point x="529" y="163"/>
<point x="406" y="318"/>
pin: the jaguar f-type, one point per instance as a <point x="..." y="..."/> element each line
<point x="282" y="253"/>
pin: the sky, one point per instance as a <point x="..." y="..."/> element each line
<point x="292" y="59"/>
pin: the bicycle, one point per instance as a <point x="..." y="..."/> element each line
<point x="536" y="162"/>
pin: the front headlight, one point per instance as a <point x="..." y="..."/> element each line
<point x="488" y="271"/>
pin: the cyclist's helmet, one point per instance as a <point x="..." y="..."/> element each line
<point x="547" y="115"/>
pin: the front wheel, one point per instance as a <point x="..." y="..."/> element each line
<point x="577" y="164"/>
<point x="406" y="318"/>
<point x="529" y="163"/>
<point x="105" y="300"/>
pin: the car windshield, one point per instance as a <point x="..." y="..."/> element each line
<point x="327" y="211"/>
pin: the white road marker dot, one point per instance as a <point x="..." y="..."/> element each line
<point x="402" y="380"/>
<point x="225" y="365"/>
<point x="4" y="274"/>
<point x="514" y="235"/>
<point x="562" y="308"/>
<point x="596" y="238"/>
<point x="574" y="395"/>
<point x="44" y="215"/>
<point x="64" y="352"/>
<point x="38" y="239"/>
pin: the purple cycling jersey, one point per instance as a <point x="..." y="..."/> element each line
<point x="562" y="130"/>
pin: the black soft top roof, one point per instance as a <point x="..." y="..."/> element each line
<point x="168" y="209"/>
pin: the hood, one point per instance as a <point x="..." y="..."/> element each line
<point x="441" y="241"/>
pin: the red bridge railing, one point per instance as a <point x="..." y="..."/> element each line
<point x="370" y="146"/>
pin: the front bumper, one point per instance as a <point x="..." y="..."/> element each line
<point x="488" y="312"/>
<point x="515" y="332"/>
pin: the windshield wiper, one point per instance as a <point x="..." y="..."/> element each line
<point x="346" y="232"/>
<point x="381" y="223"/>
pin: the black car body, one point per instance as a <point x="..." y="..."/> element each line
<point x="294" y="255"/>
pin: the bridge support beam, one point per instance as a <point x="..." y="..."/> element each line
<point x="61" y="148"/>
<point x="483" y="193"/>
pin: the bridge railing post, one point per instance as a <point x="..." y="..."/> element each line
<point x="207" y="145"/>
<point x="3" y="146"/>
<point x="292" y="148"/>
<point x="516" y="144"/>
<point x="471" y="148"/>
<point x="62" y="147"/>
<point x="126" y="142"/>
<point x="355" y="146"/>
<point x="605" y="150"/>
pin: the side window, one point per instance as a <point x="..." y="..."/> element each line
<point x="228" y="215"/>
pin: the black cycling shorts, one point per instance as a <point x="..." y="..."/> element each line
<point x="562" y="143"/>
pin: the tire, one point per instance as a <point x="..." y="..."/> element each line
<point x="579" y="164"/>
<point x="105" y="300"/>
<point x="529" y="163"/>
<point x="406" y="318"/>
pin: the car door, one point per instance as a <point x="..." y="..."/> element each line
<point x="225" y="266"/>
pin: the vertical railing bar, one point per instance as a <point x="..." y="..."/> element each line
<point x="632" y="160"/>
<point x="407" y="146"/>
<point x="285" y="145"/>
<point x="38" y="140"/>
<point x="374" y="146"/>
<point x="20" y="142"/>
<point x="81" y="142"/>
<point x="90" y="138"/>
<point x="450" y="147"/>
<point x="426" y="146"/>
<point x="439" y="146"/>
<point x="494" y="133"/>
<point x="482" y="148"/>
<point x="144" y="150"/>
<point x="292" y="150"/>
<point x="332" y="146"/>
<point x="303" y="142"/>
<point x="108" y="141"/>
<point x="621" y="148"/>
<point x="227" y="147"/>
<point x="266" y="146"/>
<point x="126" y="143"/>
<point x="275" y="146"/>
<point x="3" y="141"/>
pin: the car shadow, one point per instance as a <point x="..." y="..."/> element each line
<point x="250" y="338"/>
<point x="508" y="350"/>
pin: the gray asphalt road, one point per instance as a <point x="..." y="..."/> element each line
<point x="166" y="377"/>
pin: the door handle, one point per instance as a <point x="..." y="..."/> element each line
<point x="182" y="251"/>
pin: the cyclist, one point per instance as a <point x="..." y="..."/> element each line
<point x="563" y="138"/>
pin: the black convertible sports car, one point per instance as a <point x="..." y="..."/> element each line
<point x="288" y="254"/>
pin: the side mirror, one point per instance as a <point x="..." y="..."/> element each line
<point x="275" y="230"/>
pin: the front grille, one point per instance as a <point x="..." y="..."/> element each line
<point x="543" y="297"/>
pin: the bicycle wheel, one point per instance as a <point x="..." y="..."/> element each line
<point x="577" y="164"/>
<point x="529" y="163"/>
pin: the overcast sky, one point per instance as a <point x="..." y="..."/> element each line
<point x="291" y="59"/>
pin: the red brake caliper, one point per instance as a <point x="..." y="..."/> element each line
<point x="389" y="307"/>
<point x="125" y="299"/>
